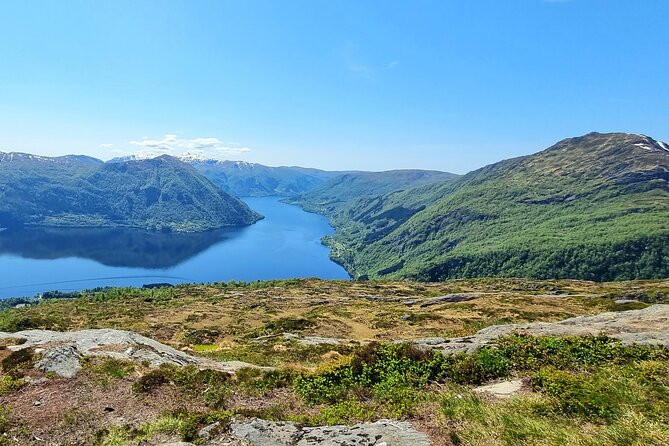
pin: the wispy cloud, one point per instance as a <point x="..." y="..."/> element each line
<point x="174" y="145"/>
<point x="392" y="65"/>
<point x="355" y="63"/>
<point x="106" y="146"/>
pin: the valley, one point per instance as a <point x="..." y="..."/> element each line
<point x="334" y="223"/>
<point x="286" y="243"/>
<point x="594" y="207"/>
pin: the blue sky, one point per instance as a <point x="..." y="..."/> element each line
<point x="449" y="85"/>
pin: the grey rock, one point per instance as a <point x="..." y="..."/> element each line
<point x="266" y="433"/>
<point x="446" y="299"/>
<point x="626" y="301"/>
<point x="208" y="431"/>
<point x="318" y="340"/>
<point x="35" y="381"/>
<point x="62" y="351"/>
<point x="503" y="389"/>
<point x="315" y="340"/>
<point x="384" y="299"/>
<point x="647" y="326"/>
<point x="63" y="360"/>
<point x="258" y="432"/>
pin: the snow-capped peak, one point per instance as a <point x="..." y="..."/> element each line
<point x="18" y="156"/>
<point x="652" y="145"/>
<point x="186" y="157"/>
<point x="193" y="157"/>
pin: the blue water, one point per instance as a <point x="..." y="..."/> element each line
<point x="286" y="244"/>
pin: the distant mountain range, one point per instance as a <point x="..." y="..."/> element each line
<point x="593" y="207"/>
<point x="162" y="194"/>
<point x="185" y="193"/>
<point x="244" y="179"/>
<point x="339" y="190"/>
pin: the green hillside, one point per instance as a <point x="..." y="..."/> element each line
<point x="593" y="207"/>
<point x="337" y="192"/>
<point x="157" y="194"/>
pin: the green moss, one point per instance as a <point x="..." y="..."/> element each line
<point x="8" y="384"/>
<point x="152" y="380"/>
<point x="108" y="369"/>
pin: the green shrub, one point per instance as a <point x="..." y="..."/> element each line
<point x="13" y="321"/>
<point x="202" y="336"/>
<point x="607" y="392"/>
<point x="258" y="379"/>
<point x="186" y="424"/>
<point x="195" y="380"/>
<point x="18" y="361"/>
<point x="4" y="421"/>
<point x="8" y="383"/>
<point x="531" y="352"/>
<point x="284" y="325"/>
<point x="392" y="365"/>
<point x="112" y="368"/>
<point x="152" y="380"/>
<point x="475" y="368"/>
<point x="343" y="412"/>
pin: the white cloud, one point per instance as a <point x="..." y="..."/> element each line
<point x="174" y="145"/>
<point x="106" y="146"/>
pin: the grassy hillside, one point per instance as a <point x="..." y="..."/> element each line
<point x="585" y="391"/>
<point x="229" y="314"/>
<point x="334" y="194"/>
<point x="594" y="207"/>
<point x="157" y="194"/>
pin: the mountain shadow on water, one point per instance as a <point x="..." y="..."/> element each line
<point x="118" y="247"/>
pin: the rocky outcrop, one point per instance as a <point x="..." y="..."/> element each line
<point x="256" y="432"/>
<point x="64" y="360"/>
<point x="502" y="389"/>
<point x="315" y="340"/>
<point x="647" y="326"/>
<point x="61" y="351"/>
<point x="446" y="299"/>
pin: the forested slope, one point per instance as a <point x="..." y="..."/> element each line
<point x="158" y="194"/>
<point x="592" y="207"/>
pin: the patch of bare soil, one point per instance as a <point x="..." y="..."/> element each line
<point x="64" y="411"/>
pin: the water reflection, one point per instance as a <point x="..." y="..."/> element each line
<point x="118" y="247"/>
<point x="285" y="244"/>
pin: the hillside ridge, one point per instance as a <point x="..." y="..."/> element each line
<point x="590" y="207"/>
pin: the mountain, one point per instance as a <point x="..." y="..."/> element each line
<point x="18" y="157"/>
<point x="158" y="194"/>
<point x="244" y="179"/>
<point x="593" y="207"/>
<point x="255" y="180"/>
<point x="334" y="194"/>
